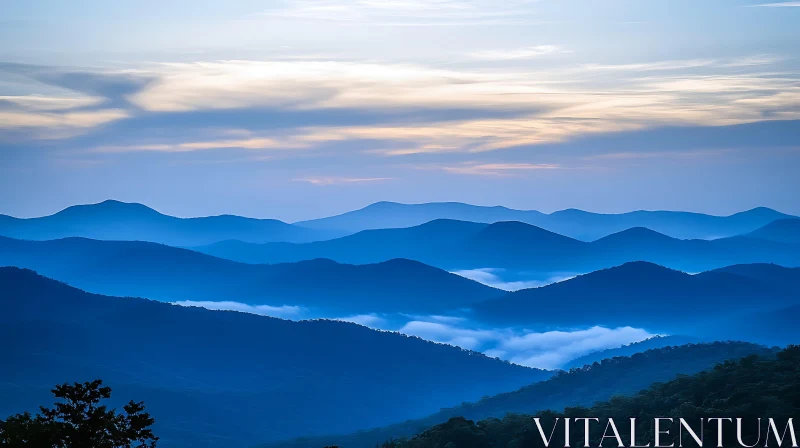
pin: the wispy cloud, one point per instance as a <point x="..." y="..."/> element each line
<point x="496" y="169"/>
<point x="512" y="108"/>
<point x="555" y="348"/>
<point x="561" y="104"/>
<point x="406" y="12"/>
<point x="777" y="5"/>
<point x="50" y="103"/>
<point x="322" y="181"/>
<point x="467" y="338"/>
<point x="519" y="53"/>
<point x="367" y="320"/>
<point x="492" y="277"/>
<point x="547" y="350"/>
<point x="284" y="312"/>
<point x="248" y="143"/>
<point x="677" y="65"/>
<point x="680" y="155"/>
<point x="55" y="121"/>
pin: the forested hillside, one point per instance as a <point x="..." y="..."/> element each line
<point x="750" y="388"/>
<point x="577" y="387"/>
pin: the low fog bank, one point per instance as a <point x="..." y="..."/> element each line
<point x="546" y="349"/>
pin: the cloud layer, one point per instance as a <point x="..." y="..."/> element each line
<point x="494" y="277"/>
<point x="546" y="350"/>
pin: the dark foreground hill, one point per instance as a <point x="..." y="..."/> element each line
<point x="114" y="220"/>
<point x="578" y="387"/>
<point x="459" y="245"/>
<point x="578" y="224"/>
<point x="170" y="274"/>
<point x="752" y="388"/>
<point x="649" y="296"/>
<point x="227" y="379"/>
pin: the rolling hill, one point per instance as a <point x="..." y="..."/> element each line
<point x="782" y="230"/>
<point x="646" y="295"/>
<point x="578" y="387"/>
<point x="386" y="215"/>
<point x="228" y="379"/>
<point x="459" y="245"/>
<point x="656" y="342"/>
<point x="760" y="390"/>
<point x="574" y="223"/>
<point x="115" y="220"/>
<point x="170" y="274"/>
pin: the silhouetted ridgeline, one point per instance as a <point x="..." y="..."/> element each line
<point x="115" y="220"/>
<point x="155" y="271"/>
<point x="653" y="297"/>
<point x="750" y="388"/>
<point x="578" y="224"/>
<point x="782" y="230"/>
<point x="578" y="387"/>
<point x="460" y="245"/>
<point x="217" y="378"/>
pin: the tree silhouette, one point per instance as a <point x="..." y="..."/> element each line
<point x="79" y="420"/>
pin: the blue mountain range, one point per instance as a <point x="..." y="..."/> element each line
<point x="213" y="378"/>
<point x="165" y="273"/>
<point x="460" y="245"/>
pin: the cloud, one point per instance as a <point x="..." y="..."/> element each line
<point x="550" y="106"/>
<point x="342" y="180"/>
<point x="546" y="350"/>
<point x="284" y="312"/>
<point x="406" y="12"/>
<point x="679" y="155"/>
<point x="57" y="124"/>
<point x="368" y="320"/>
<point x="496" y="169"/>
<point x="777" y="5"/>
<point x="438" y="318"/>
<point x="490" y="277"/>
<point x="745" y="61"/>
<point x="49" y="103"/>
<point x="519" y="53"/>
<point x="555" y="348"/>
<point x="505" y="108"/>
<point x="247" y="143"/>
<point x="470" y="339"/>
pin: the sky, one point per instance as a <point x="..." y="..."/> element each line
<point x="301" y="109"/>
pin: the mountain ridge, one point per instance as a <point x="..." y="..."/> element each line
<point x="76" y="220"/>
<point x="654" y="297"/>
<point x="588" y="227"/>
<point x="459" y="245"/>
<point x="210" y="377"/>
<point x="165" y="273"/>
<point x="117" y="220"/>
<point x="577" y="387"/>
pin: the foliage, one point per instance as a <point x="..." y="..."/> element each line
<point x="750" y="388"/>
<point x="80" y="421"/>
<point x="583" y="386"/>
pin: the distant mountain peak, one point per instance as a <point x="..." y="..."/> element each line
<point x="637" y="269"/>
<point x="635" y="234"/>
<point x="515" y="229"/>
<point x="108" y="206"/>
<point x="782" y="230"/>
<point x="761" y="211"/>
